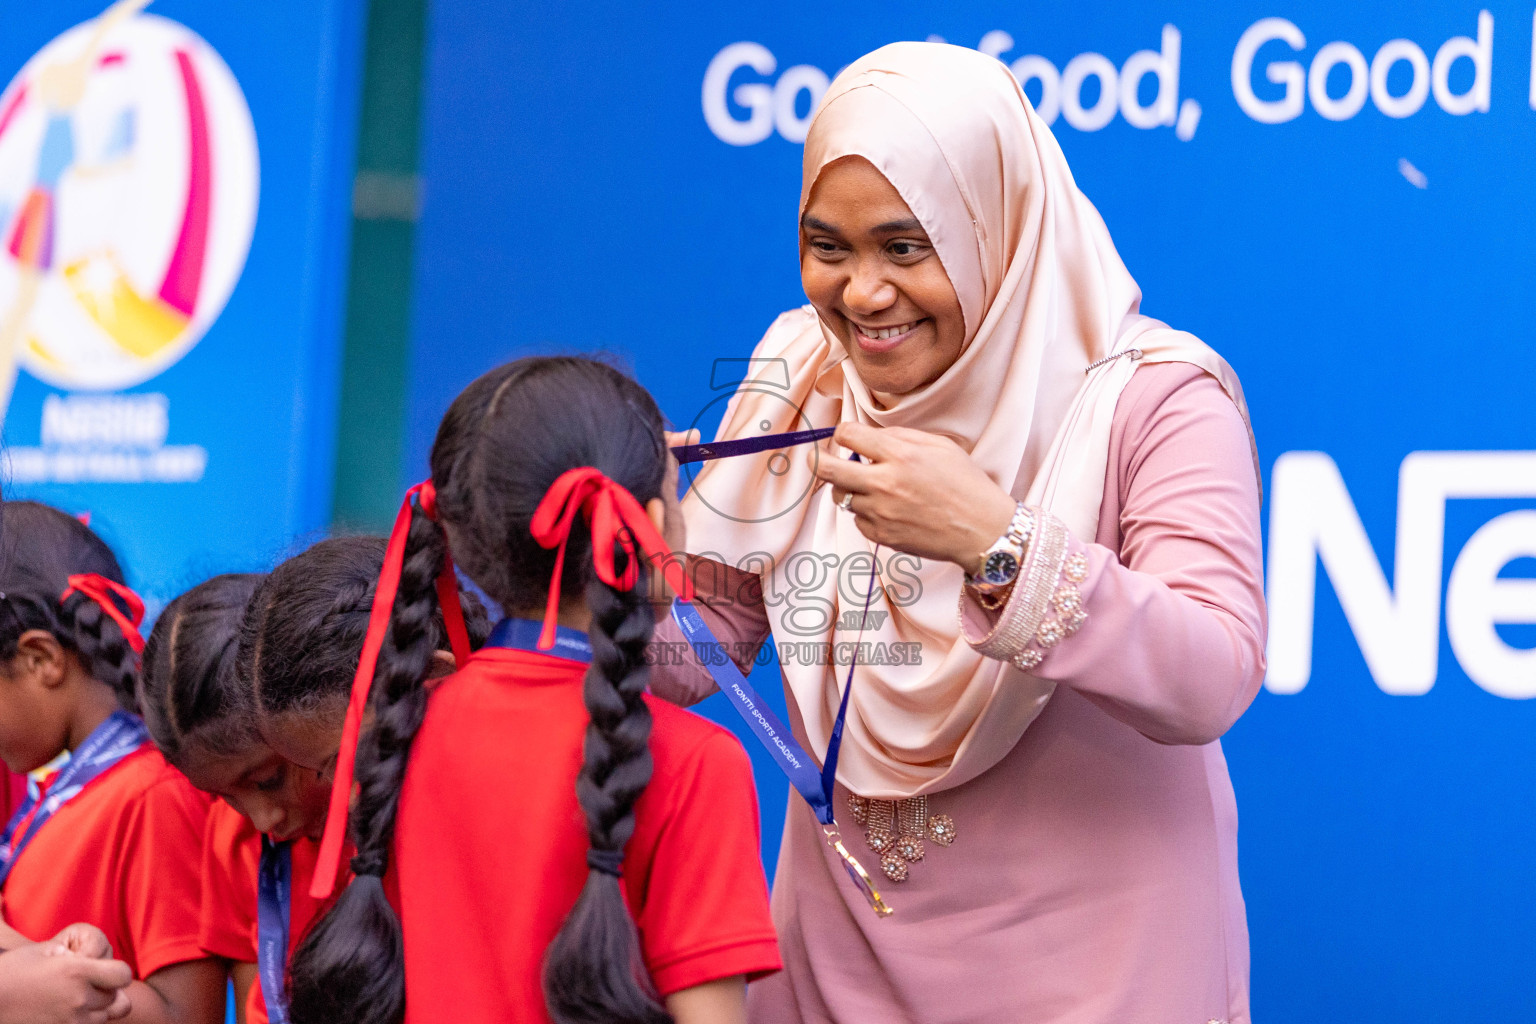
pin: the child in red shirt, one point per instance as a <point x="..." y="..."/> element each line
<point x="199" y="709"/>
<point x="539" y="840"/>
<point x="194" y="711"/>
<point x="232" y="927"/>
<point x="114" y="837"/>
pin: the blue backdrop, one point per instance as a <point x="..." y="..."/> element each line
<point x="218" y="459"/>
<point x="1339" y="198"/>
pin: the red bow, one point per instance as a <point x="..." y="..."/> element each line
<point x="329" y="858"/>
<point x="615" y="517"/>
<point x="100" y="589"/>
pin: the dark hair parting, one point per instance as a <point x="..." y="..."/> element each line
<point x="300" y="640"/>
<point x="188" y="690"/>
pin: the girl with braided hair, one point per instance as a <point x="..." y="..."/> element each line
<point x="197" y="717"/>
<point x="262" y="838"/>
<point x="537" y="838"/>
<point x="300" y="642"/>
<point x="113" y="837"/>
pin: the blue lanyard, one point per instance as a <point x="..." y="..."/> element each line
<point x="111" y="741"/>
<point x="274" y="890"/>
<point x="793" y="760"/>
<point x="523" y="635"/>
<point x="773" y="734"/>
<point x="686" y="453"/>
<point x="816" y="787"/>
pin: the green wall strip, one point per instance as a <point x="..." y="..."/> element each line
<point x="370" y="435"/>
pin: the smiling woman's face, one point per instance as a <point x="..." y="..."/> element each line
<point x="281" y="798"/>
<point x="872" y="273"/>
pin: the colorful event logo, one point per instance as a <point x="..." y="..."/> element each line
<point x="128" y="193"/>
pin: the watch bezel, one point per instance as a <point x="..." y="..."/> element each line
<point x="1003" y="574"/>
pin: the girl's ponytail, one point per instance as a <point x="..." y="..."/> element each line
<point x="592" y="970"/>
<point x="351" y="965"/>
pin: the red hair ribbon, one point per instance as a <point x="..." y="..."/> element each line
<point x="615" y="517"/>
<point x="329" y="859"/>
<point x="101" y="590"/>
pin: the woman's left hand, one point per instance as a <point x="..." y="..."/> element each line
<point x="917" y="492"/>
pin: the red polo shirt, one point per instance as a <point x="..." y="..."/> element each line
<point x="231" y="861"/>
<point x="123" y="855"/>
<point x="490" y="844"/>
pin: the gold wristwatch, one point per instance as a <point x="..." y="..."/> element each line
<point x="1001" y="562"/>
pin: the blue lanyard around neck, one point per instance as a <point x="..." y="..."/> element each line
<point x="274" y="893"/>
<point x="523" y="635"/>
<point x="111" y="741"/>
<point x="816" y="787"/>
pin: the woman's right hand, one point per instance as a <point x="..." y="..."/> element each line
<point x="70" y="979"/>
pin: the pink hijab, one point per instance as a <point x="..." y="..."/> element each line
<point x="1045" y="297"/>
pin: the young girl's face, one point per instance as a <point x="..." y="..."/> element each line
<point x="281" y="798"/>
<point x="308" y="739"/>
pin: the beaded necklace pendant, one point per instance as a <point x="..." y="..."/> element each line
<point x="896" y="829"/>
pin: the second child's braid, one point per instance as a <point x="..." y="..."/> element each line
<point x="399" y="697"/>
<point x="299" y="641"/>
<point x="349" y="966"/>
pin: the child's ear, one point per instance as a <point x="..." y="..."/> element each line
<point x="40" y="657"/>
<point x="442" y="665"/>
<point x="667" y="516"/>
<point x="656" y="512"/>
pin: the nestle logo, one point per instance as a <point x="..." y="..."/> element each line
<point x="105" y="421"/>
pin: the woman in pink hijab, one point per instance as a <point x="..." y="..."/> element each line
<point x="1062" y="500"/>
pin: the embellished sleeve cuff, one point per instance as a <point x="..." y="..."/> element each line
<point x="1045" y="607"/>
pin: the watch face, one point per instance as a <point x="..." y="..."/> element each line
<point x="1001" y="567"/>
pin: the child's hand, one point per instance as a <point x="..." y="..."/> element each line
<point x="83" y="939"/>
<point x="51" y="983"/>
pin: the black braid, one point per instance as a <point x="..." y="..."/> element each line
<point x="399" y="698"/>
<point x="504" y="441"/>
<point x="592" y="971"/>
<point x="351" y="965"/>
<point x="104" y="652"/>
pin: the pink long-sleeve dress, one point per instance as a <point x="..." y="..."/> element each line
<point x="1094" y="877"/>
